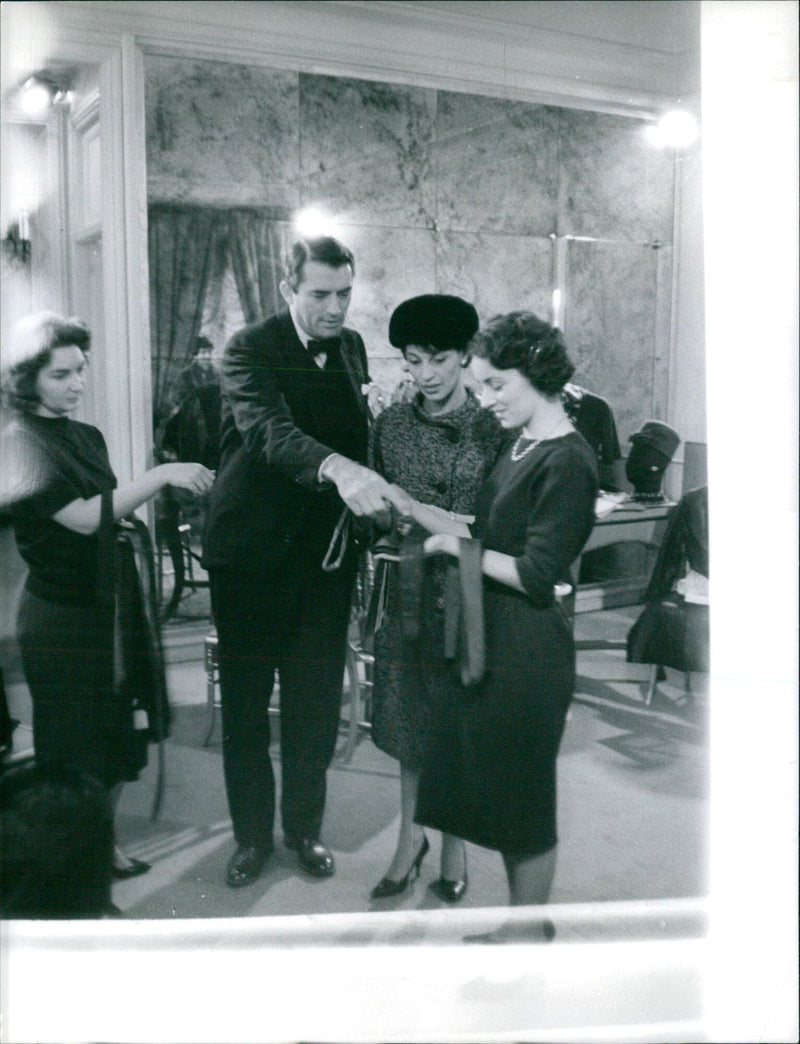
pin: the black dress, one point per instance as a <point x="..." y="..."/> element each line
<point x="66" y="637"/>
<point x="490" y="773"/>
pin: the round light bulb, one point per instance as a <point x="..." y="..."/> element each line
<point x="311" y="222"/>
<point x="35" y="98"/>
<point x="676" y="130"/>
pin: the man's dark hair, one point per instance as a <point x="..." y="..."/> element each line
<point x="325" y="249"/>
<point x="56" y="844"/>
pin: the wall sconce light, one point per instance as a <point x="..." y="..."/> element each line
<point x="17" y="241"/>
<point x="40" y="91"/>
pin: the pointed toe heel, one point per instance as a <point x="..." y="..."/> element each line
<point x="451" y="891"/>
<point x="134" y="868"/>
<point x="386" y="887"/>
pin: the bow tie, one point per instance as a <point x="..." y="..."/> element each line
<point x="327" y="344"/>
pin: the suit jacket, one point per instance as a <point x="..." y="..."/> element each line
<point x="266" y="485"/>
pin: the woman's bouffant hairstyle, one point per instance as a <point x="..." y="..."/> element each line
<point x="325" y="249"/>
<point x="521" y="341"/>
<point x="30" y="348"/>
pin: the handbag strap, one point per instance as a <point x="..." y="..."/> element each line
<point x="471" y="632"/>
<point x="464" y="638"/>
<point x="376" y="605"/>
<point x="106" y="553"/>
<point x="338" y="544"/>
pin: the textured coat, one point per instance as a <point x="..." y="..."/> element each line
<point x="440" y="460"/>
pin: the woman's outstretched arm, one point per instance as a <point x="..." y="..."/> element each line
<point x="83" y="516"/>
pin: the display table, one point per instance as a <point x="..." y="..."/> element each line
<point x="629" y="521"/>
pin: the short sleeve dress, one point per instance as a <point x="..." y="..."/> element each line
<point x="66" y="641"/>
<point x="490" y="771"/>
<point x="440" y="460"/>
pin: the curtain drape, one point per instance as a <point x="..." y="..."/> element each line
<point x="256" y="249"/>
<point x="186" y="246"/>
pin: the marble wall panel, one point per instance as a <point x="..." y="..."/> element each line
<point x="614" y="184"/>
<point x="662" y="316"/>
<point x="222" y="134"/>
<point x="437" y="192"/>
<point x="392" y="264"/>
<point x="496" y="273"/>
<point x="366" y="151"/>
<point x="496" y="165"/>
<point x="610" y="326"/>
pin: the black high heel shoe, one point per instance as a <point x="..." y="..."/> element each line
<point x="451" y="891"/>
<point x="134" y="868"/>
<point x="386" y="887"/>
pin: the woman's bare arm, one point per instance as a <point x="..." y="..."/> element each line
<point x="83" y="516"/>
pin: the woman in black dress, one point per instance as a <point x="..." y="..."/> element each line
<point x="490" y="774"/>
<point x="439" y="447"/>
<point x="55" y="476"/>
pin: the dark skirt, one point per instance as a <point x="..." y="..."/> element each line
<point x="490" y="773"/>
<point x="78" y="720"/>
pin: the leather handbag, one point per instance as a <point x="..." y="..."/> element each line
<point x="464" y="639"/>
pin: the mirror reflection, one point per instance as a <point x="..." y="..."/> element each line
<point x="506" y="205"/>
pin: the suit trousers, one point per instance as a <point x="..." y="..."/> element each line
<point x="296" y="626"/>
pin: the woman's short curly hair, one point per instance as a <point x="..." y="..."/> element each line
<point x="521" y="341"/>
<point x="30" y="348"/>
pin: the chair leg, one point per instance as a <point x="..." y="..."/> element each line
<point x="651" y="689"/>
<point x="354" y="704"/>
<point x="212" y="678"/>
<point x="212" y="706"/>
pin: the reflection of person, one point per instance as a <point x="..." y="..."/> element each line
<point x="438" y="447"/>
<point x="56" y="845"/>
<point x="294" y="436"/>
<point x="490" y="773"/>
<point x="191" y="430"/>
<point x="58" y="487"/>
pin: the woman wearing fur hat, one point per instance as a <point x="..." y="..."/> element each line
<point x="439" y="447"/>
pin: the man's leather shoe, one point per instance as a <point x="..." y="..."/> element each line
<point x="245" y="865"/>
<point x="313" y="856"/>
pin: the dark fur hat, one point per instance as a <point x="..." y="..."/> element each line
<point x="438" y="321"/>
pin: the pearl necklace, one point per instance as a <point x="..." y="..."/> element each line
<point x="518" y="454"/>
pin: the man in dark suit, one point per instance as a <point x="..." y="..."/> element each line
<point x="293" y="442"/>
